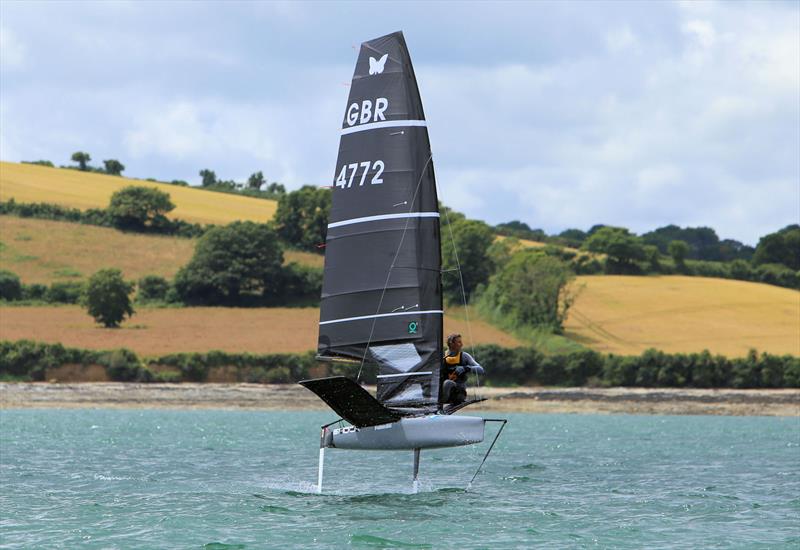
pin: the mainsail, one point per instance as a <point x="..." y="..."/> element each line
<point x="381" y="293"/>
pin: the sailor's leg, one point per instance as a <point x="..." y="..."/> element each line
<point x="447" y="390"/>
<point x="415" y="483"/>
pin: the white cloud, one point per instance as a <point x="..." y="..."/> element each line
<point x="12" y="50"/>
<point x="621" y="39"/>
<point x="707" y="135"/>
<point x="687" y="116"/>
<point x="701" y="32"/>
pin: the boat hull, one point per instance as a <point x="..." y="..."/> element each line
<point x="423" y="432"/>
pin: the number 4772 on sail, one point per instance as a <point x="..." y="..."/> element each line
<point x="378" y="166"/>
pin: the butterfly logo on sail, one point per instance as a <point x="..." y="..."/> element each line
<point x="376" y="65"/>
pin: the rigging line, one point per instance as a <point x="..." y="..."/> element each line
<point x="503" y="425"/>
<point x="389" y="272"/>
<point x="463" y="296"/>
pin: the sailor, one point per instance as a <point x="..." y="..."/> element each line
<point x="457" y="365"/>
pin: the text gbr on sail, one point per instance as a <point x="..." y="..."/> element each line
<point x="362" y="113"/>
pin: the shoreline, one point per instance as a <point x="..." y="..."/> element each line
<point x="292" y="397"/>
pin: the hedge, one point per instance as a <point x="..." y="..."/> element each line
<point x="27" y="360"/>
<point x="93" y="216"/>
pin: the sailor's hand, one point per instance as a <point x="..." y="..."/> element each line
<point x="459" y="371"/>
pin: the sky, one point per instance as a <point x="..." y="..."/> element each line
<point x="561" y="115"/>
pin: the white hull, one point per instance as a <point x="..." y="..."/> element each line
<point x="423" y="432"/>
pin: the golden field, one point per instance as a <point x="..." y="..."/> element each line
<point x="83" y="190"/>
<point x="43" y="251"/>
<point x="614" y="314"/>
<point x="626" y="315"/>
<point x="160" y="331"/>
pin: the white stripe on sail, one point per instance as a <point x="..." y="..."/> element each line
<point x="344" y="320"/>
<point x="384" y="124"/>
<point x="384" y="217"/>
<point x="405" y="374"/>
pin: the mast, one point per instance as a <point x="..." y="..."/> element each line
<point x="381" y="294"/>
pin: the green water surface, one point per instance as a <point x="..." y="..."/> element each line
<point x="224" y="479"/>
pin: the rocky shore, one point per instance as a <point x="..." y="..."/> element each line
<point x="294" y="397"/>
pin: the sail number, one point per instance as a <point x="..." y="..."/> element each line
<point x="349" y="171"/>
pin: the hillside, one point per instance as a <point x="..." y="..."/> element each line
<point x="32" y="183"/>
<point x="626" y="315"/>
<point x="162" y="331"/>
<point x="43" y="251"/>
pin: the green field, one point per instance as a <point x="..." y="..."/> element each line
<point x="44" y="251"/>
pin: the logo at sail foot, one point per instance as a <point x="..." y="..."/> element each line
<point x="376" y="65"/>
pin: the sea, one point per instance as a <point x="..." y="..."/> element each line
<point x="217" y="479"/>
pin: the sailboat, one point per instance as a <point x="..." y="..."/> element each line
<point x="381" y="299"/>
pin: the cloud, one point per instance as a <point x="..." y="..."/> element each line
<point x="12" y="51"/>
<point x="698" y="136"/>
<point x="554" y="114"/>
<point x="621" y="39"/>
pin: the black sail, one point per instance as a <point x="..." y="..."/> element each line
<point x="381" y="294"/>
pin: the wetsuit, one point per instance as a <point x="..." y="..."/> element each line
<point x="455" y="391"/>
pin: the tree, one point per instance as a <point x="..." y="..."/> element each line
<point x="209" y="177"/>
<point x="653" y="257"/>
<point x="620" y="246"/>
<point x="448" y="215"/>
<point x="10" y="286"/>
<point x="107" y="297"/>
<point x="276" y="188"/>
<point x="113" y="167"/>
<point x="241" y="257"/>
<point x="704" y="244"/>
<point x="81" y="158"/>
<point x="781" y="247"/>
<point x="573" y="237"/>
<point x="256" y="180"/>
<point x="138" y="208"/>
<point x="302" y="217"/>
<point x="152" y="288"/>
<point x="531" y="290"/>
<point x="520" y="230"/>
<point x="679" y="250"/>
<point x="471" y="240"/>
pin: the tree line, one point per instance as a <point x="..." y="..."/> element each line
<point x="255" y="186"/>
<point x="111" y="167"/>
<point x="27" y="360"/>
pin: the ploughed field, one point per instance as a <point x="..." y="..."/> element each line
<point x="627" y="315"/>
<point x="161" y="331"/>
<point x="44" y="251"/>
<point x="84" y="190"/>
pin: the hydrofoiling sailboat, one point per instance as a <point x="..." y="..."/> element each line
<point x="381" y="293"/>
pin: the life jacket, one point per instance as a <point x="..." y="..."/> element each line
<point x="450" y="364"/>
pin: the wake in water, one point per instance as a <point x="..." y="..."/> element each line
<point x="305" y="488"/>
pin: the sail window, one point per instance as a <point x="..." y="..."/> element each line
<point x="401" y="357"/>
<point x="411" y="393"/>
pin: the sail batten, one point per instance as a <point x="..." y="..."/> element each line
<point x="384" y="124"/>
<point x="380" y="217"/>
<point x="381" y="295"/>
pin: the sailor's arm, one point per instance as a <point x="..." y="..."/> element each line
<point x="471" y="364"/>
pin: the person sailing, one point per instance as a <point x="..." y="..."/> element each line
<point x="457" y="365"/>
